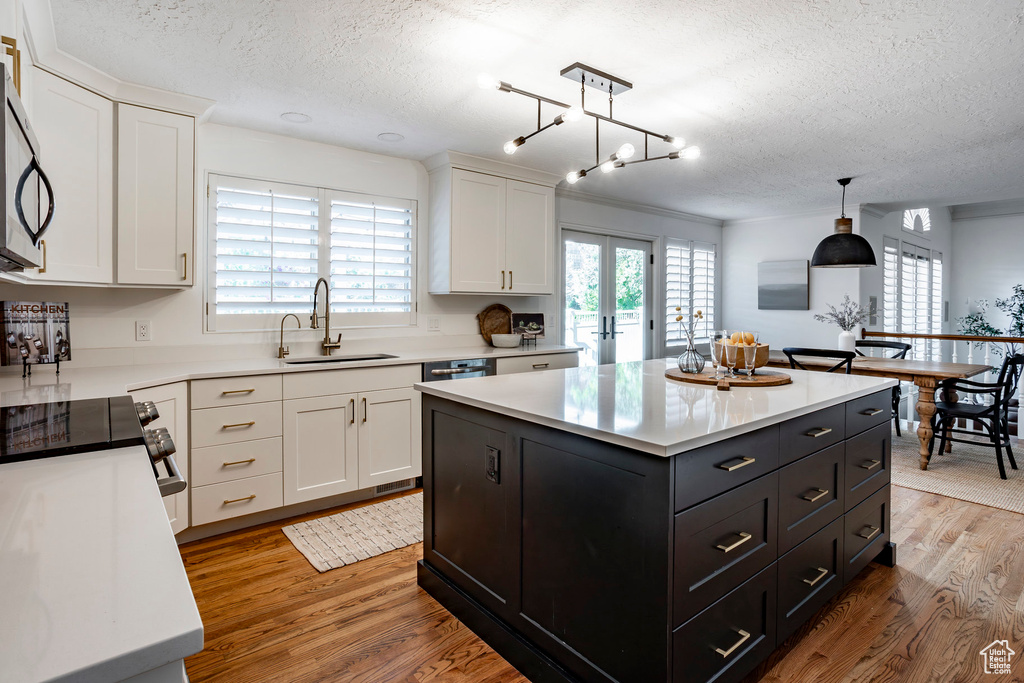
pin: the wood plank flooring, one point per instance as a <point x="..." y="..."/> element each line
<point x="269" y="616"/>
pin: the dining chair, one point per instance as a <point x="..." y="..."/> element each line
<point x="900" y="349"/>
<point x="845" y="358"/>
<point x="993" y="414"/>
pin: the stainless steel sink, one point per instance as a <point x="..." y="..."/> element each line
<point x="340" y="359"/>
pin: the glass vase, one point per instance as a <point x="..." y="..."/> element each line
<point x="690" y="360"/>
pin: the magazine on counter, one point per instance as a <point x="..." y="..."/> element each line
<point x="35" y="332"/>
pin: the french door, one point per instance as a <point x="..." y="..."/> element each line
<point x="607" y="297"/>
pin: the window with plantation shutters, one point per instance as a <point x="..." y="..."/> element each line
<point x="912" y="294"/>
<point x="690" y="286"/>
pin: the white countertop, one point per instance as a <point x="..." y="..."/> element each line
<point x="92" y="587"/>
<point x="636" y="406"/>
<point x="78" y="383"/>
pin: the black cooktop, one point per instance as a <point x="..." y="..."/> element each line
<point x="44" y="430"/>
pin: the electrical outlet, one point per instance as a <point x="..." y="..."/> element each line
<point x="143" y="330"/>
<point x="493" y="465"/>
<point x="434" y="324"/>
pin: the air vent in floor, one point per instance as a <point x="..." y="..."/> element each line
<point x="396" y="486"/>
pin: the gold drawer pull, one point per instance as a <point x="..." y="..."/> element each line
<point x="874" y="532"/>
<point x="822" y="574"/>
<point x="821" y="431"/>
<point x="237" y="391"/>
<point x="821" y="493"/>
<point x="240" y="462"/>
<point x="240" y="500"/>
<point x="744" y="461"/>
<point x="744" y="537"/>
<point x="250" y="423"/>
<point x="538" y="366"/>
<point x="871" y="412"/>
<point x="872" y="465"/>
<point x="744" y="636"/>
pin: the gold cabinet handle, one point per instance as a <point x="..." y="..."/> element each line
<point x="744" y="461"/>
<point x="240" y="500"/>
<point x="236" y="391"/>
<point x="503" y="279"/>
<point x="820" y="431"/>
<point x="42" y="243"/>
<point x="822" y="573"/>
<point x="871" y="412"/>
<point x="538" y="366"/>
<point x="352" y="407"/>
<point x="874" y="532"/>
<point x="240" y="462"/>
<point x="821" y="494"/>
<point x="744" y="537"/>
<point x="240" y="424"/>
<point x="744" y="636"/>
<point x="510" y="279"/>
<point x="184" y="270"/>
<point x="872" y="464"/>
<point x="365" y="411"/>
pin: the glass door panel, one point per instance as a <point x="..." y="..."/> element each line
<point x="629" y="321"/>
<point x="582" y="268"/>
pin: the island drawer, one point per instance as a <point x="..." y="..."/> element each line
<point x="705" y="472"/>
<point x="867" y="532"/>
<point x="867" y="463"/>
<point x="728" y="639"/>
<point x="811" y="494"/>
<point x="232" y="391"/>
<point x="236" y="498"/>
<point x="806" y="434"/>
<point x="546" y="361"/>
<point x="723" y="542"/>
<point x="216" y="426"/>
<point x="215" y="464"/>
<point x="809" y="576"/>
<point x="868" y="411"/>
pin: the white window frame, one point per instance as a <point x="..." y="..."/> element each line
<point x="709" y="305"/>
<point x="930" y="310"/>
<point x="271" y="321"/>
<point x="910" y="216"/>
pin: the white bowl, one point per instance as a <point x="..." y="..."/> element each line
<point x="506" y="341"/>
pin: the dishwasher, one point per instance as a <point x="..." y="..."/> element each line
<point x="458" y="369"/>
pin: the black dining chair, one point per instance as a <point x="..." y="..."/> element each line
<point x="993" y="414"/>
<point x="845" y="358"/>
<point x="900" y="349"/>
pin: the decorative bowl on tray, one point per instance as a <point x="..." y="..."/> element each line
<point x="506" y="341"/>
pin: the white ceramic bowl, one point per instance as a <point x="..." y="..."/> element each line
<point x="506" y="341"/>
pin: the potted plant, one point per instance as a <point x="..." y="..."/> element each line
<point x="1013" y="306"/>
<point x="847" y="316"/>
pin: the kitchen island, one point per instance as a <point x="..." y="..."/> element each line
<point x="608" y="524"/>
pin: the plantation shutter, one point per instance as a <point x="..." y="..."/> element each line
<point x="704" y="288"/>
<point x="890" y="285"/>
<point x="935" y="351"/>
<point x="690" y="285"/>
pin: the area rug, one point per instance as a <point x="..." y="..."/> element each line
<point x="968" y="473"/>
<point x="353" y="535"/>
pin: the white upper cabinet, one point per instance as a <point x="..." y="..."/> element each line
<point x="478" y="232"/>
<point x="529" y="238"/>
<point x="155" y="190"/>
<point x="75" y="128"/>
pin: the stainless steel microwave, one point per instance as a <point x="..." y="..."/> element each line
<point x="27" y="196"/>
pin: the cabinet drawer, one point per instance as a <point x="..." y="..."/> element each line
<point x="867" y="463"/>
<point x="214" y="464"/>
<point x="809" y="433"/>
<point x="216" y="426"/>
<point x="354" y="380"/>
<point x="236" y="498"/>
<point x="723" y="542"/>
<point x="547" y="361"/>
<point x="705" y="472"/>
<point x="868" y="411"/>
<point x="811" y="495"/>
<point x="727" y="640"/>
<point x="867" y="532"/>
<point x="809" y="576"/>
<point x="233" y="391"/>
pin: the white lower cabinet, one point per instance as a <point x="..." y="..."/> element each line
<point x="172" y="402"/>
<point x="389" y="437"/>
<point x="320" y="444"/>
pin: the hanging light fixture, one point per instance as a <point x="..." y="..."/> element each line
<point x="843" y="249"/>
<point x="589" y="76"/>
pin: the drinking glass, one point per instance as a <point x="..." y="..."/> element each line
<point x="732" y="357"/>
<point x="718" y="349"/>
<point x="750" y="351"/>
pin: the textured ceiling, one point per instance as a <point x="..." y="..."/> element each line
<point x="919" y="100"/>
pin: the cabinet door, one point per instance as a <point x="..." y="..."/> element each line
<point x="478" y="232"/>
<point x="389" y="436"/>
<point x="320" y="441"/>
<point x="155" y="187"/>
<point x="76" y="137"/>
<point x="530" y="238"/>
<point x="172" y="402"/>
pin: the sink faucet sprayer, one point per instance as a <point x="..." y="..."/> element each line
<point x="327" y="345"/>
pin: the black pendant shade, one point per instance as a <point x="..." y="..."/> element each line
<point x="843" y="249"/>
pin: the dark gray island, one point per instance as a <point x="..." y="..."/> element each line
<point x="608" y="524"/>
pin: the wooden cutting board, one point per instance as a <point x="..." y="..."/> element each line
<point x="495" y="319"/>
<point x="761" y="378"/>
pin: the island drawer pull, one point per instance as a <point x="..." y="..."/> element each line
<point x="871" y="412"/>
<point x="820" y="431"/>
<point x="874" y="532"/>
<point x="538" y="366"/>
<point x="744" y="461"/>
<point x="872" y="465"/>
<point x="250" y="423"/>
<point x="744" y="537"/>
<point x="240" y="500"/>
<point x="240" y="462"/>
<point x="237" y="391"/>
<point x="821" y="494"/>
<point x="744" y="636"/>
<point x="822" y="574"/>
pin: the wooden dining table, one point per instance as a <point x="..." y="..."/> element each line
<point x="925" y="374"/>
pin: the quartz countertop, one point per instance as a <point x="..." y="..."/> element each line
<point x="636" y="406"/>
<point x="44" y="386"/>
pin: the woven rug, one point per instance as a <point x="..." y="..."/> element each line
<point x="353" y="535"/>
<point x="968" y="473"/>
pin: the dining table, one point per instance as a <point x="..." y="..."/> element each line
<point x="924" y="374"/>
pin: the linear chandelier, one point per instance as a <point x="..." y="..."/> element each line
<point x="589" y="76"/>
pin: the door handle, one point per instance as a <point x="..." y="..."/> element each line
<point x="613" y="327"/>
<point x="604" y="328"/>
<point x="510" y="279"/>
<point x="184" y="268"/>
<point x="352" y="407"/>
<point x="364" y="409"/>
<point x="503" y="279"/>
<point x="42" y="243"/>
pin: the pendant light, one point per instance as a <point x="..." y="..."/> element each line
<point x="843" y="249"/>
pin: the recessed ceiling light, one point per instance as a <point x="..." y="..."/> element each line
<point x="296" y="117"/>
<point x="390" y="137"/>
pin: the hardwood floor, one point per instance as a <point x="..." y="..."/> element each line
<point x="269" y="616"/>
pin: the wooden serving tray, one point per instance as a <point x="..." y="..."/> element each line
<point x="761" y="378"/>
<point x="495" y="319"/>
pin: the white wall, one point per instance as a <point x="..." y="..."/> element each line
<point x="989" y="262"/>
